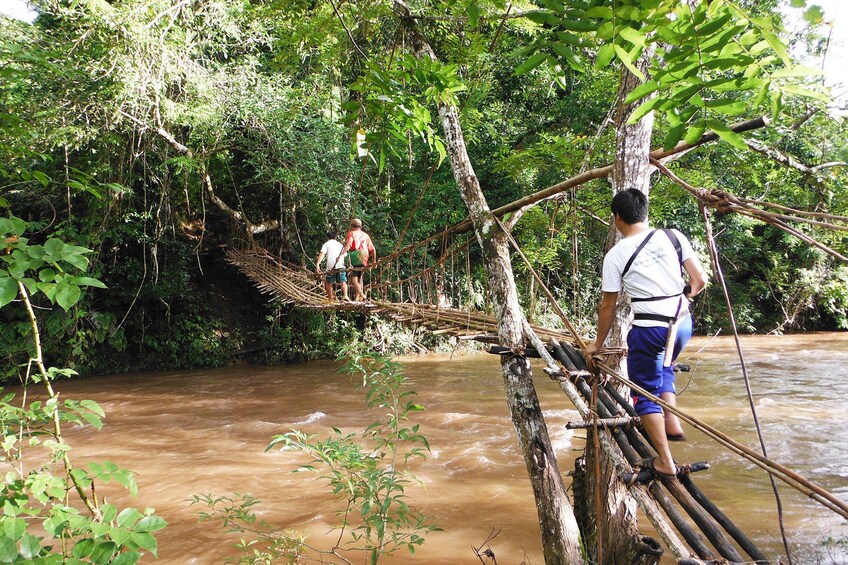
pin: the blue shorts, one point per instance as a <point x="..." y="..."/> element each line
<point x="340" y="277"/>
<point x="645" y="355"/>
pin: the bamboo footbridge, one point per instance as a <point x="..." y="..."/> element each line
<point x="707" y="536"/>
<point x="297" y="286"/>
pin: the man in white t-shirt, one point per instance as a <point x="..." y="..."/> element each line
<point x="334" y="273"/>
<point x="646" y="265"/>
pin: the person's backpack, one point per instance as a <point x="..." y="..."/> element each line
<point x="354" y="258"/>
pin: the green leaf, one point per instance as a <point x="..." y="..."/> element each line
<point x="641" y="91"/>
<point x="625" y="58"/>
<point x="150" y="524"/>
<point x="604" y="56"/>
<point x="103" y="553"/>
<point x="473" y="14"/>
<point x="566" y="53"/>
<point x="625" y="12"/>
<point x="644" y="108"/>
<point x="128" y="517"/>
<point x="542" y="18"/>
<point x="727" y="106"/>
<point x="83" y="548"/>
<point x="531" y="63"/>
<point x="77" y="261"/>
<point x="67" y="295"/>
<point x="570" y="39"/>
<point x="806" y="92"/>
<point x="127" y="558"/>
<point x="8" y="290"/>
<point x="777" y="45"/>
<point x="632" y="36"/>
<point x="12" y="226"/>
<point x="49" y="290"/>
<point x="8" y="550"/>
<point x="726" y="134"/>
<point x="714" y="24"/>
<point x="36" y="252"/>
<point x="695" y="132"/>
<point x="674" y="135"/>
<point x="578" y="25"/>
<point x="47" y="275"/>
<point x="54" y="247"/>
<point x="814" y="15"/>
<point x="109" y="512"/>
<point x="602" y="12"/>
<point x="797" y="71"/>
<point x="94" y="407"/>
<point x="776" y="103"/>
<point x="87" y="281"/>
<point x="606" y="32"/>
<point x="14" y="528"/>
<point x="120" y="535"/>
<point x="41" y="177"/>
<point x="145" y="541"/>
<point x="30" y="546"/>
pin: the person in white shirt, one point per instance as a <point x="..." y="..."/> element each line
<point x="335" y="270"/>
<point x="646" y="265"/>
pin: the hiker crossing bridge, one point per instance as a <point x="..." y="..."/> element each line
<point x="708" y="536"/>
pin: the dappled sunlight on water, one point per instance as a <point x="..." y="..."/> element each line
<point x="204" y="432"/>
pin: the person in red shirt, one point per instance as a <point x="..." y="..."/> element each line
<point x="360" y="252"/>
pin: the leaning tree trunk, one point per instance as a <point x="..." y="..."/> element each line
<point x="560" y="535"/>
<point x="616" y="534"/>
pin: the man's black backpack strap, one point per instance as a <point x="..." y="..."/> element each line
<point x="676" y="243"/>
<point x="635" y="253"/>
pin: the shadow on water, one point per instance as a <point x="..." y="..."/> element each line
<point x="204" y="432"/>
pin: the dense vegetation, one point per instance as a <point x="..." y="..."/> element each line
<point x="140" y="129"/>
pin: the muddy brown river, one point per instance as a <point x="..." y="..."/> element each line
<point x="205" y="432"/>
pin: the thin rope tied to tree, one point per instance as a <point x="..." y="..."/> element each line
<point x="714" y="258"/>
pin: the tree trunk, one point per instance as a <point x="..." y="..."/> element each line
<point x="617" y="526"/>
<point x="560" y="535"/>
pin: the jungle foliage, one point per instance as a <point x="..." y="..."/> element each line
<point x="51" y="510"/>
<point x="126" y="125"/>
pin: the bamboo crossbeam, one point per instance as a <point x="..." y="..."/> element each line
<point x="604" y="423"/>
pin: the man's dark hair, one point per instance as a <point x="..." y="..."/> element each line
<point x="331" y="234"/>
<point x="631" y="205"/>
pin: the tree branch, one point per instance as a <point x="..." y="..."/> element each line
<point x="789" y="160"/>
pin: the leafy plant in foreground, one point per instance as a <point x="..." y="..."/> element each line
<point x="50" y="511"/>
<point x="366" y="472"/>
